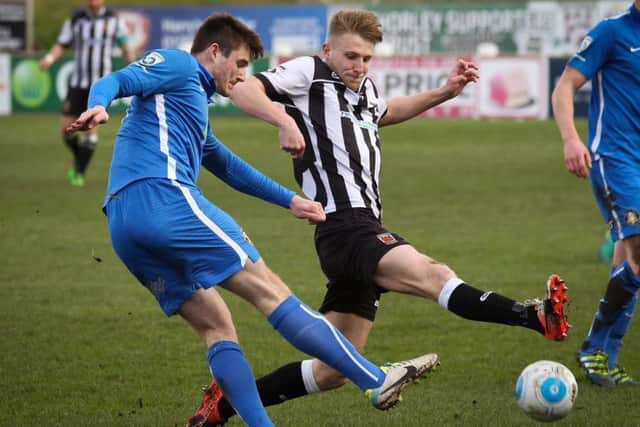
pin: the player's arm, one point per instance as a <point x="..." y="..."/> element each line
<point x="237" y="173"/>
<point x="250" y="96"/>
<point x="64" y="40"/>
<point x="592" y="54"/>
<point x="123" y="41"/>
<point x="576" y="156"/>
<point x="103" y="91"/>
<point x="51" y="56"/>
<point x="128" y="53"/>
<point x="403" y="108"/>
<point x="152" y="74"/>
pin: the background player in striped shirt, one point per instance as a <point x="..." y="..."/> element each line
<point x="93" y="32"/>
<point x="332" y="112"/>
<point x="609" y="56"/>
<point x="180" y="245"/>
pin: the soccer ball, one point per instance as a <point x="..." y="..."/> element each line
<point x="546" y="390"/>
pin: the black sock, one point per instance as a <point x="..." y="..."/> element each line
<point x="285" y="383"/>
<point x="615" y="298"/>
<point x="85" y="152"/>
<point x="474" y="304"/>
<point x="71" y="141"/>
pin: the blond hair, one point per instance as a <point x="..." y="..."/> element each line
<point x="361" y="22"/>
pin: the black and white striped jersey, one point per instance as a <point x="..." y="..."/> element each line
<point x="341" y="163"/>
<point x="93" y="38"/>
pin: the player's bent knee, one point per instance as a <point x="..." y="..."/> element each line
<point x="435" y="275"/>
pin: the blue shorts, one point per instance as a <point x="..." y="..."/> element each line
<point x="174" y="240"/>
<point x="616" y="187"/>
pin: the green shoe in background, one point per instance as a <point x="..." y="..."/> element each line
<point x="76" y="179"/>
<point x="605" y="251"/>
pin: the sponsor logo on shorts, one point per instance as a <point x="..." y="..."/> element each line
<point x="387" y="238"/>
<point x="631" y="217"/>
<point x="156" y="287"/>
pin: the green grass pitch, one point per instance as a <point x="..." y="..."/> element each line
<point x="84" y="344"/>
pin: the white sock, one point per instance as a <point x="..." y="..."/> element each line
<point x="447" y="290"/>
<point x="306" y="368"/>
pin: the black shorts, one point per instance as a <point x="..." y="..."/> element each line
<point x="76" y="102"/>
<point x="350" y="244"/>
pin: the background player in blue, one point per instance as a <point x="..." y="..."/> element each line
<point x="610" y="57"/>
<point x="180" y="245"/>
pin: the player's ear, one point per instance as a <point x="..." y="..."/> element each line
<point x="326" y="49"/>
<point x="214" y="50"/>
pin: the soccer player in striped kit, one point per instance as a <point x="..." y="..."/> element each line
<point x="93" y="33"/>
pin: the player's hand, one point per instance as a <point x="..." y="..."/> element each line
<point x="291" y="139"/>
<point x="45" y="62"/>
<point x="307" y="209"/>
<point x="89" y="119"/>
<point x="462" y="73"/>
<point x="577" y="158"/>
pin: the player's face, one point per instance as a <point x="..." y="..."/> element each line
<point x="229" y="70"/>
<point x="349" y="56"/>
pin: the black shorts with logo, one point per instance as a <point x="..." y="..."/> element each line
<point x="350" y="244"/>
<point x="75" y="102"/>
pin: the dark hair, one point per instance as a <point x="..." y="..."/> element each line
<point x="229" y="33"/>
<point x="361" y="22"/>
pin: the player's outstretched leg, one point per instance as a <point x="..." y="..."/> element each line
<point x="546" y="315"/>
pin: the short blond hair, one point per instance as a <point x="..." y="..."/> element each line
<point x="361" y="22"/>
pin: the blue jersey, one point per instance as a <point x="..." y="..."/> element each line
<point x="610" y="57"/>
<point x="166" y="131"/>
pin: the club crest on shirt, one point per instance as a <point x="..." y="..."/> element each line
<point x="151" y="58"/>
<point x="387" y="238"/>
<point x="276" y="69"/>
<point x="586" y="42"/>
<point x="632" y="217"/>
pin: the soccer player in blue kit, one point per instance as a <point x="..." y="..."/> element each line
<point x="180" y="246"/>
<point x="610" y="57"/>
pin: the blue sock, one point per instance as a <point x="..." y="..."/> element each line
<point x="310" y="332"/>
<point x="623" y="285"/>
<point x="618" y="331"/>
<point x="233" y="374"/>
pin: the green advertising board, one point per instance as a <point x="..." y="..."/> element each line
<point x="33" y="90"/>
